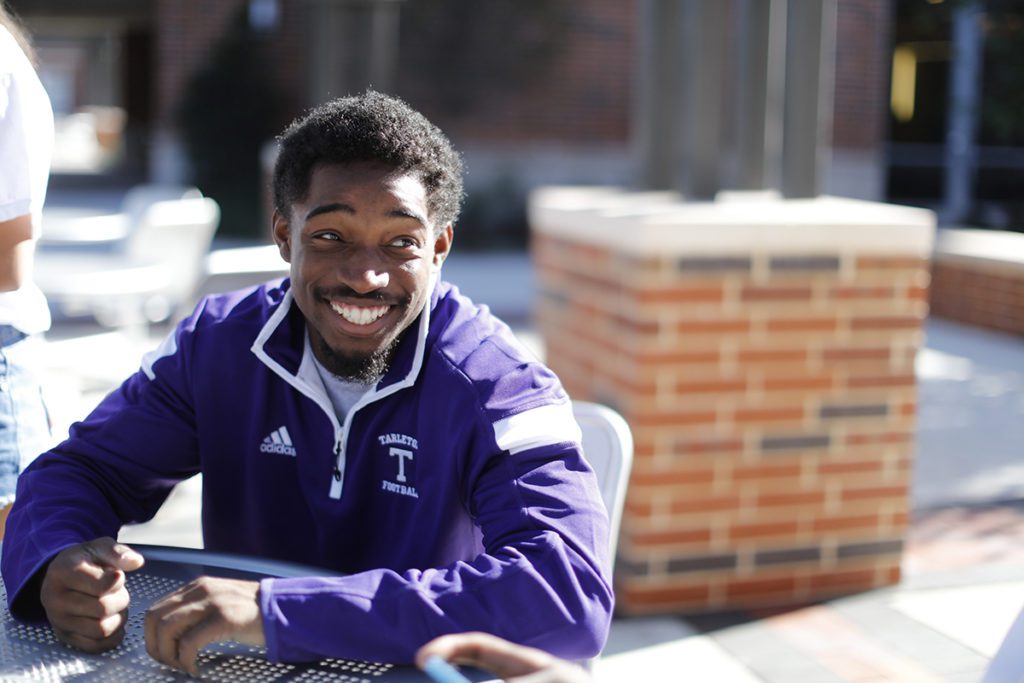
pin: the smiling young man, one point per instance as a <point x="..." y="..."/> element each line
<point x="360" y="415"/>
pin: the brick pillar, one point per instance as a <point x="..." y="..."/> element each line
<point x="763" y="355"/>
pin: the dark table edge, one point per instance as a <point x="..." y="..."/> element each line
<point x="241" y="563"/>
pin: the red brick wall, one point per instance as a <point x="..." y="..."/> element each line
<point x="772" y="400"/>
<point x="863" y="59"/>
<point x="979" y="292"/>
<point x="586" y="94"/>
<point x="582" y="96"/>
<point x="582" y="93"/>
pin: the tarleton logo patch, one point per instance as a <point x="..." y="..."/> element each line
<point x="402" y="449"/>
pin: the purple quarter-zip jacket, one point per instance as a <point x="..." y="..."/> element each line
<point x="453" y="497"/>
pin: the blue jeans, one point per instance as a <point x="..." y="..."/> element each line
<point x="24" y="420"/>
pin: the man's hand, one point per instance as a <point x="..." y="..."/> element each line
<point x="207" y="610"/>
<point x="84" y="593"/>
<point x="513" y="663"/>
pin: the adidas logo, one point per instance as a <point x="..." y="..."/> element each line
<point x="278" y="441"/>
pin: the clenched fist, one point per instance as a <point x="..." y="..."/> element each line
<point x="84" y="594"/>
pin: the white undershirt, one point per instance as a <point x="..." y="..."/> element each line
<point x="343" y="394"/>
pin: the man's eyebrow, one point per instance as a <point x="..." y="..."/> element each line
<point x="345" y="208"/>
<point x="328" y="208"/>
<point x="409" y="213"/>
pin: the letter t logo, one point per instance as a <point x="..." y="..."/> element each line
<point x="402" y="455"/>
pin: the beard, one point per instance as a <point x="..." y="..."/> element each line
<point x="362" y="369"/>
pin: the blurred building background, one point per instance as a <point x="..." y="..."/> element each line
<point x="548" y="91"/>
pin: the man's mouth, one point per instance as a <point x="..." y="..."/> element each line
<point x="359" y="315"/>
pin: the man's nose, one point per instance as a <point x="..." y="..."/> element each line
<point x="364" y="271"/>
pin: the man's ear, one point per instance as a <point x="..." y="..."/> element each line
<point x="443" y="245"/>
<point x="282" y="235"/>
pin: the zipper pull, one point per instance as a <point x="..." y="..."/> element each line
<point x="336" y="478"/>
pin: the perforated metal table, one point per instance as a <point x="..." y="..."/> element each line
<point x="33" y="653"/>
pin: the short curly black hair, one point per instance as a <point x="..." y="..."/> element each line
<point x="369" y="127"/>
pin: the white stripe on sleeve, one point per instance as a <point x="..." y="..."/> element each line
<point x="167" y="347"/>
<point x="537" y="427"/>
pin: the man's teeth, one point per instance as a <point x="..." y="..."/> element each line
<point x="359" y="315"/>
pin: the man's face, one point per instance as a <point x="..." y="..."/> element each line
<point x="362" y="249"/>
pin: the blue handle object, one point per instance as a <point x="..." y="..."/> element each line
<point x="443" y="672"/>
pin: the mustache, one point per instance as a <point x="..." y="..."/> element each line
<point x="343" y="292"/>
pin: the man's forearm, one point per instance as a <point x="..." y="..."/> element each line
<point x="386" y="616"/>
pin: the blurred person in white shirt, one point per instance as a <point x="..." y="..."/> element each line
<point x="26" y="147"/>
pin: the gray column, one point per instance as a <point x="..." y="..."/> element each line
<point x="962" y="127"/>
<point x="747" y="78"/>
<point x="706" y="60"/>
<point x="353" y="45"/>
<point x="384" y="44"/>
<point x="810" y="47"/>
<point x="760" y="86"/>
<point x="656" y="103"/>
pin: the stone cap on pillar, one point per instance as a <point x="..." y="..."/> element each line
<point x="646" y="223"/>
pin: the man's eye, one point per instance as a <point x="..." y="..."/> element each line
<point x="404" y="243"/>
<point x="330" y="236"/>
